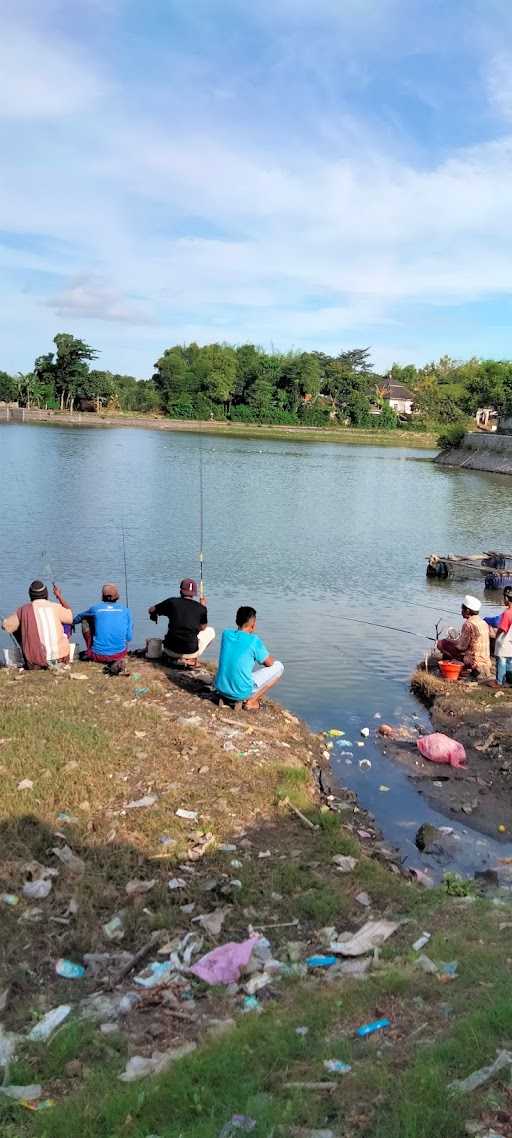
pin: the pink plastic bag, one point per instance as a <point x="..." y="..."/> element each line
<point x="439" y="748"/>
<point x="224" y="964"/>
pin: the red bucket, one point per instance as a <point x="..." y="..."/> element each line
<point x="450" y="670"/>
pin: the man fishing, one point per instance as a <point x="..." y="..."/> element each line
<point x="238" y="676"/>
<point x="40" y="627"/>
<point x="107" y="629"/>
<point x="471" y="646"/>
<point x="188" y="633"/>
<point x="503" y="645"/>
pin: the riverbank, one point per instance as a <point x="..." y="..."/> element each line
<point x="349" y="435"/>
<point x="480" y="451"/>
<point x="105" y="769"/>
<point x="481" y="719"/>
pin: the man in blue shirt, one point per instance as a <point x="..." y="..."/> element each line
<point x="241" y="650"/>
<point x="107" y="628"/>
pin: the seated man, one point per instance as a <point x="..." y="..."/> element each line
<point x="503" y="649"/>
<point x="39" y="628"/>
<point x="471" y="646"/>
<point x="188" y="633"/>
<point x="240" y="650"/>
<point x="107" y="628"/>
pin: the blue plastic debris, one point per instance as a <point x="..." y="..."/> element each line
<point x="69" y="970"/>
<point x="321" y="961"/>
<point x="369" y="1028"/>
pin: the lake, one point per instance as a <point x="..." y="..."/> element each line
<point x="317" y="537"/>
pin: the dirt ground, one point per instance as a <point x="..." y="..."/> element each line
<point x="480" y="719"/>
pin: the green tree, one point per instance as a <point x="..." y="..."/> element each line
<point x="174" y="380"/>
<point x="8" y="389"/>
<point x="71" y="367"/>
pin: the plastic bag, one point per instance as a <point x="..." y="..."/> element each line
<point x="439" y="748"/>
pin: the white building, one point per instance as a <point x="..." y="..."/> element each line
<point x="400" y="399"/>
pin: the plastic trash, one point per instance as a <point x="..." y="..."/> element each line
<point x="370" y="936"/>
<point x="155" y="973"/>
<point x="40" y="882"/>
<point x="139" y="1066"/>
<point x="365" y="764"/>
<point x="439" y="748"/>
<point x="421" y="941"/>
<point x="251" y="1004"/>
<point x="238" y="1124"/>
<point x="114" y="929"/>
<point x="67" y="818"/>
<point x="383" y="789"/>
<point x="175" y="883"/>
<point x="140" y="803"/>
<point x="139" y="888"/>
<point x="8" y="1043"/>
<point x="25" y="784"/>
<point x="370" y="1028"/>
<point x="448" y="970"/>
<point x="189" y="815"/>
<point x="302" y="1031"/>
<point x="23" y="1094"/>
<point x="69" y="859"/>
<point x="321" y="960"/>
<point x="365" y="732"/>
<point x="10" y="899"/>
<point x="224" y="964"/>
<point x="363" y="899"/>
<point x="335" y="732"/>
<point x="427" y="965"/>
<point x="336" y="1067"/>
<point x="344" y="863"/>
<point x="212" y="922"/>
<point x="344" y="743"/>
<point x="69" y="970"/>
<point x="49" y="1023"/>
<point x="483" y="1075"/>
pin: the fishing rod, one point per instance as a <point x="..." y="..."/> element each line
<point x="201" y="519"/>
<point x="125" y="567"/>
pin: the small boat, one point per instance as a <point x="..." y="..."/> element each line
<point x="469" y="566"/>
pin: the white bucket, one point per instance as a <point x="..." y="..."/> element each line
<point x="11" y="657"/>
<point x="153" y="648"/>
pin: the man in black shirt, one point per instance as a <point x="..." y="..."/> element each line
<point x="188" y="634"/>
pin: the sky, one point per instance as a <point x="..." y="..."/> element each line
<point x="292" y="173"/>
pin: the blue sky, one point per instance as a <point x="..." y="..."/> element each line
<point x="296" y="173"/>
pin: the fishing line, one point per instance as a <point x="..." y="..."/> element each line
<point x="388" y="627"/>
<point x="125" y="567"/>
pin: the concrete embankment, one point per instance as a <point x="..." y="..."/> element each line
<point x="480" y="452"/>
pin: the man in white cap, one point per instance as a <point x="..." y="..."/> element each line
<point x="471" y="646"/>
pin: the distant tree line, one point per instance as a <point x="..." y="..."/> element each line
<point x="246" y="384"/>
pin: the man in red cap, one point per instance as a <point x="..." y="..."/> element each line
<point x="188" y="634"/>
<point x="107" y="628"/>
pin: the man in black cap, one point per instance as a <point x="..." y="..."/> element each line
<point x="188" y="634"/>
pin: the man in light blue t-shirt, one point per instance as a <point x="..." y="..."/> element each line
<point x="238" y="677"/>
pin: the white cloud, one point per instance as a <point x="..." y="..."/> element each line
<point x="43" y="76"/>
<point x="92" y="299"/>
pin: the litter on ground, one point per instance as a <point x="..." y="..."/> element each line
<point x="483" y="1075"/>
<point x="370" y="1028"/>
<point x="370" y="936"/>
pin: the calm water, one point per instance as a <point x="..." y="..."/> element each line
<point x="309" y="534"/>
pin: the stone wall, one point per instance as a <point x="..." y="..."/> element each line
<point x="480" y="451"/>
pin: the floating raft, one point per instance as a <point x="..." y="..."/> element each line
<point x="471" y="566"/>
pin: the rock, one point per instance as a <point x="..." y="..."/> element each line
<point x="74" y="1069"/>
<point x="431" y="840"/>
<point x="487" y="876"/>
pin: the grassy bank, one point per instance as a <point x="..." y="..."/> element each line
<point x="91" y="747"/>
<point x="425" y="440"/>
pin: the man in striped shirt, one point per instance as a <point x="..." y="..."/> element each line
<point x="39" y="628"/>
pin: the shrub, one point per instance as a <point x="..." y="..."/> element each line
<point x="451" y="436"/>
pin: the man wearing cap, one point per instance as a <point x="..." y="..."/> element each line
<point x="107" y="628"/>
<point x="471" y="646"/>
<point x="39" y="628"/>
<point x="188" y="633"/>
